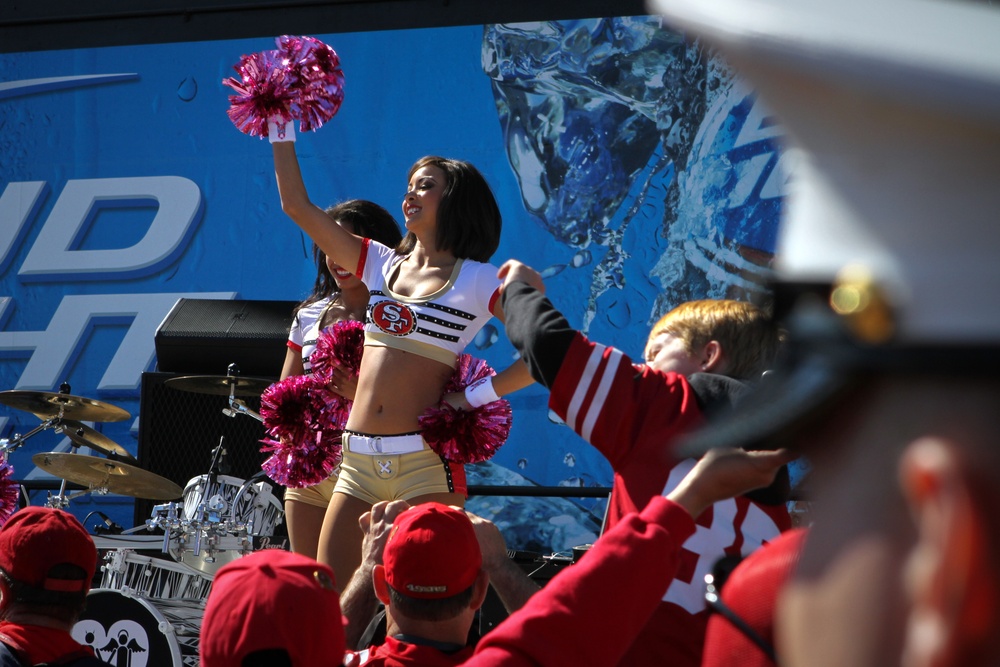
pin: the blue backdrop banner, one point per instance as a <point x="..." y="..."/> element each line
<point x="630" y="167"/>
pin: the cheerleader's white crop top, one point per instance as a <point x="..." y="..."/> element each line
<point x="439" y="325"/>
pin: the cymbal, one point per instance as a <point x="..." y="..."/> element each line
<point x="84" y="436"/>
<point x="45" y="404"/>
<point x="219" y="384"/>
<point x="117" y="477"/>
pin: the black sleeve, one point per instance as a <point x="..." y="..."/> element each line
<point x="539" y="332"/>
<point x="717" y="396"/>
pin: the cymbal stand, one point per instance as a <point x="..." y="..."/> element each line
<point x="61" y="500"/>
<point x="8" y="445"/>
<point x="236" y="406"/>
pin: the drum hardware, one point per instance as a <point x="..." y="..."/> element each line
<point x="61" y="411"/>
<point x="220" y="459"/>
<point x="203" y="537"/>
<point x="231" y="384"/>
<point x="203" y="520"/>
<point x="220" y="515"/>
<point x="61" y="500"/>
<point x="109" y="527"/>
<point x="236" y="406"/>
<point x="79" y="435"/>
<point x="218" y="518"/>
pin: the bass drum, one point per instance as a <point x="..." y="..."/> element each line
<point x="141" y="632"/>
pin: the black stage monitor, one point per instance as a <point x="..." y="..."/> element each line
<point x="204" y="336"/>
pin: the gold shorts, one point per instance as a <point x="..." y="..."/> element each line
<point x="369" y="473"/>
<point x="318" y="494"/>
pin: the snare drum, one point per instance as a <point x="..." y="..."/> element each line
<point x="132" y="574"/>
<point x="140" y="632"/>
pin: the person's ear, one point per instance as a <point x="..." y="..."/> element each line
<point x="380" y="584"/>
<point x="946" y="575"/>
<point x="712" y="358"/>
<point x="479" y="590"/>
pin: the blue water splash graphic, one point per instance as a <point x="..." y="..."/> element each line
<point x="627" y="138"/>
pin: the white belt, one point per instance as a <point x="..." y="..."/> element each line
<point x="372" y="445"/>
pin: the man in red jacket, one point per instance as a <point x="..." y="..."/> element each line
<point x="47" y="561"/>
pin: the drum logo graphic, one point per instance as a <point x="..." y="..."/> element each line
<point x="124" y="643"/>
<point x="394" y="318"/>
<point x="129" y="631"/>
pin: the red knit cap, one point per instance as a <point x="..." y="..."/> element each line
<point x="273" y="599"/>
<point x="36" y="539"/>
<point x="432" y="552"/>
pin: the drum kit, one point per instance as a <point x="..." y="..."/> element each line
<point x="148" y="608"/>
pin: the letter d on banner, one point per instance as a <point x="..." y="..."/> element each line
<point x="178" y="203"/>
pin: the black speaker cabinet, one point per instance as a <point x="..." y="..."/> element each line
<point x="179" y="429"/>
<point x="204" y="336"/>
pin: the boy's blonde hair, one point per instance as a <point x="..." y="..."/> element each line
<point x="748" y="337"/>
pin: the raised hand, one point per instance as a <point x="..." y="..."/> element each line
<point x="515" y="271"/>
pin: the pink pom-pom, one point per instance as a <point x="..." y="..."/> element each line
<point x="467" y="436"/>
<point x="264" y="92"/>
<point x="300" y="80"/>
<point x="10" y="492"/>
<point x="305" y="462"/>
<point x="319" y="79"/>
<point x="305" y="421"/>
<point x="468" y="369"/>
<point x="339" y="345"/>
<point x="290" y="407"/>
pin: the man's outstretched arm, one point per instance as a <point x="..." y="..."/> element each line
<point x="613" y="590"/>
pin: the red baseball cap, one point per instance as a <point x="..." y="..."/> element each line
<point x="36" y="539"/>
<point x="432" y="552"/>
<point x="273" y="599"/>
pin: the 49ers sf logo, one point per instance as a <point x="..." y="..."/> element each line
<point x="394" y="318"/>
